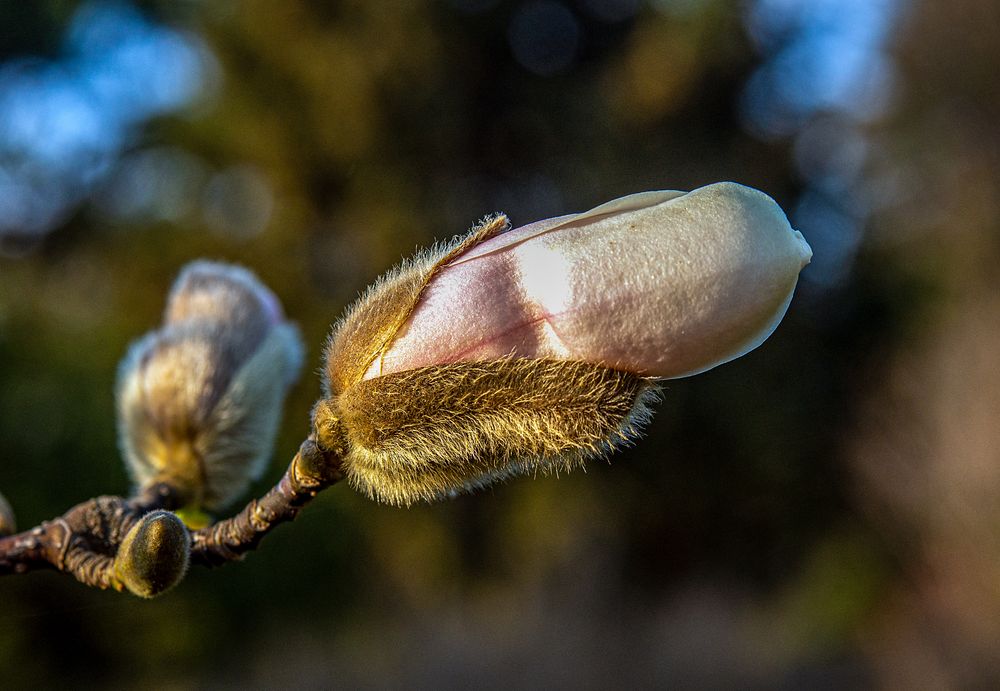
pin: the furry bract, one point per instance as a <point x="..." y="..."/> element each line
<point x="534" y="349"/>
<point x="199" y="399"/>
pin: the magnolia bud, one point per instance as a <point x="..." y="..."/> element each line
<point x="199" y="400"/>
<point x="154" y="555"/>
<point x="537" y="348"/>
<point x="7" y="524"/>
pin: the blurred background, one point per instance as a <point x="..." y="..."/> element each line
<point x="822" y="513"/>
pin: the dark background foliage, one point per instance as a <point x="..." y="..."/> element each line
<point x="821" y="513"/>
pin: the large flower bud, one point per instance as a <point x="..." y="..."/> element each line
<point x="536" y="348"/>
<point x="199" y="400"/>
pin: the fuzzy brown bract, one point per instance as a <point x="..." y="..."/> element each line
<point x="425" y="433"/>
<point x="371" y="324"/>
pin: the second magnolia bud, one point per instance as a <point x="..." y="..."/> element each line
<point x="199" y="400"/>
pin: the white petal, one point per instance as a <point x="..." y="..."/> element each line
<point x="662" y="283"/>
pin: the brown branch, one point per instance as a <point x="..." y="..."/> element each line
<point x="79" y="542"/>
<point x="32" y="549"/>
<point x="85" y="541"/>
<point x="310" y="472"/>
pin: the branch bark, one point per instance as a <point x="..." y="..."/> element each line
<point x="310" y="472"/>
<point x="84" y="541"/>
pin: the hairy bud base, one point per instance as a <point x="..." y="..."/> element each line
<point x="428" y="432"/>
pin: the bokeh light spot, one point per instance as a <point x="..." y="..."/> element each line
<point x="544" y="37"/>
<point x="64" y="123"/>
<point x="238" y="202"/>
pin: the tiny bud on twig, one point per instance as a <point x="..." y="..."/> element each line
<point x="154" y="555"/>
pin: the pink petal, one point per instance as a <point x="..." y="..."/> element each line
<point x="664" y="284"/>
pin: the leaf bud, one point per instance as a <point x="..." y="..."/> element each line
<point x="154" y="555"/>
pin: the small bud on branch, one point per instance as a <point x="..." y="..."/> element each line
<point x="154" y="555"/>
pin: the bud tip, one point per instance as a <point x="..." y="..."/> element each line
<point x="805" y="251"/>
